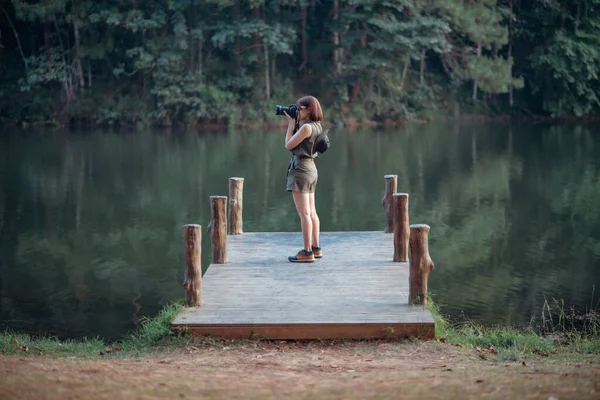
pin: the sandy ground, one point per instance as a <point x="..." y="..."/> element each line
<point x="270" y="370"/>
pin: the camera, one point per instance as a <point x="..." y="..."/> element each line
<point x="291" y="110"/>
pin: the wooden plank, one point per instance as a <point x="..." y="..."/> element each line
<point x="354" y="291"/>
<point x="315" y="331"/>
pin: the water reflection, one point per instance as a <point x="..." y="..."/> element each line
<point x="90" y="223"/>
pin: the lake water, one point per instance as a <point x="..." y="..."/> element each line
<point x="90" y="222"/>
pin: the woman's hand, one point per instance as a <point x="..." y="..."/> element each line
<point x="290" y="119"/>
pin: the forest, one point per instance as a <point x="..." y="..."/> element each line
<point x="229" y="62"/>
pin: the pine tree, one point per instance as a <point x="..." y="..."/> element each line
<point x="478" y="35"/>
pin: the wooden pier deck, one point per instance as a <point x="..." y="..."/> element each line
<point x="355" y="291"/>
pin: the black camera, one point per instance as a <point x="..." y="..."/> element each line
<point x="291" y="110"/>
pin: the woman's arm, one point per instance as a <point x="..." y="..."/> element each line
<point x="294" y="140"/>
<point x="290" y="128"/>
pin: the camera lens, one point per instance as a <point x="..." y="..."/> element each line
<point x="290" y="110"/>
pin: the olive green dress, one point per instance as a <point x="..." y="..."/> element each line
<point x="302" y="172"/>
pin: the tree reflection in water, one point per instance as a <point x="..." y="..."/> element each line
<point x="90" y="223"/>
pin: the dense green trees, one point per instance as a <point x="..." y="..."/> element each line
<point x="229" y="61"/>
<point x="565" y="63"/>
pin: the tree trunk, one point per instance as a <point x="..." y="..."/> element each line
<point x="420" y="264"/>
<point x="510" y="88"/>
<point x="192" y="282"/>
<point x="67" y="84"/>
<point x="337" y="59"/>
<point x="200" y="61"/>
<point x="257" y="39"/>
<point x="510" y="33"/>
<point x="236" y="197"/>
<point x="2" y="210"/>
<point x="236" y="18"/>
<point x="356" y="86"/>
<point x="78" y="65"/>
<point x="266" y="65"/>
<point x="218" y="229"/>
<point x="391" y="186"/>
<point x="47" y="35"/>
<point x="17" y="38"/>
<point x="422" y="70"/>
<point x="355" y="91"/>
<point x="192" y="66"/>
<point x="273" y="64"/>
<point x="304" y="37"/>
<point x="474" y="79"/>
<point x="401" y="227"/>
<point x="404" y="72"/>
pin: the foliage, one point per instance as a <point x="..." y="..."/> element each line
<point x="561" y="56"/>
<point x="569" y="74"/>
<point x="493" y="75"/>
<point x="192" y="62"/>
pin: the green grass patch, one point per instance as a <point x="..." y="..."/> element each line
<point x="24" y="344"/>
<point x="155" y="333"/>
<point x="513" y="344"/>
<point x="500" y="337"/>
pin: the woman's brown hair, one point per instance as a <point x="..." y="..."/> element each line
<point x="314" y="107"/>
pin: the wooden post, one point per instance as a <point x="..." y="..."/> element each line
<point x="401" y="227"/>
<point x="218" y="229"/>
<point x="391" y="185"/>
<point x="420" y="264"/>
<point x="236" y="190"/>
<point x="192" y="281"/>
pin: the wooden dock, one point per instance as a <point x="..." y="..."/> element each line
<point x="355" y="291"/>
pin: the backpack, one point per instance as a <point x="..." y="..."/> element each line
<point x="322" y="142"/>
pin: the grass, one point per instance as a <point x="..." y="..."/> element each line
<point x="20" y="344"/>
<point x="553" y="335"/>
<point x="506" y="344"/>
<point x="154" y="333"/>
<point x="556" y="320"/>
<point x="154" y="330"/>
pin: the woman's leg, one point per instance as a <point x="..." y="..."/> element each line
<point x="316" y="224"/>
<point x="302" y="202"/>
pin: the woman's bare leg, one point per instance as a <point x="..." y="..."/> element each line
<point x="302" y="202"/>
<point x="316" y="224"/>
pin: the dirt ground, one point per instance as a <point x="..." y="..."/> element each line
<point x="316" y="370"/>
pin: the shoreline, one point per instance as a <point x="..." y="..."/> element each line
<point x="158" y="330"/>
<point x="348" y="123"/>
<point x="461" y="362"/>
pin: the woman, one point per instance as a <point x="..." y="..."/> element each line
<point x="302" y="173"/>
